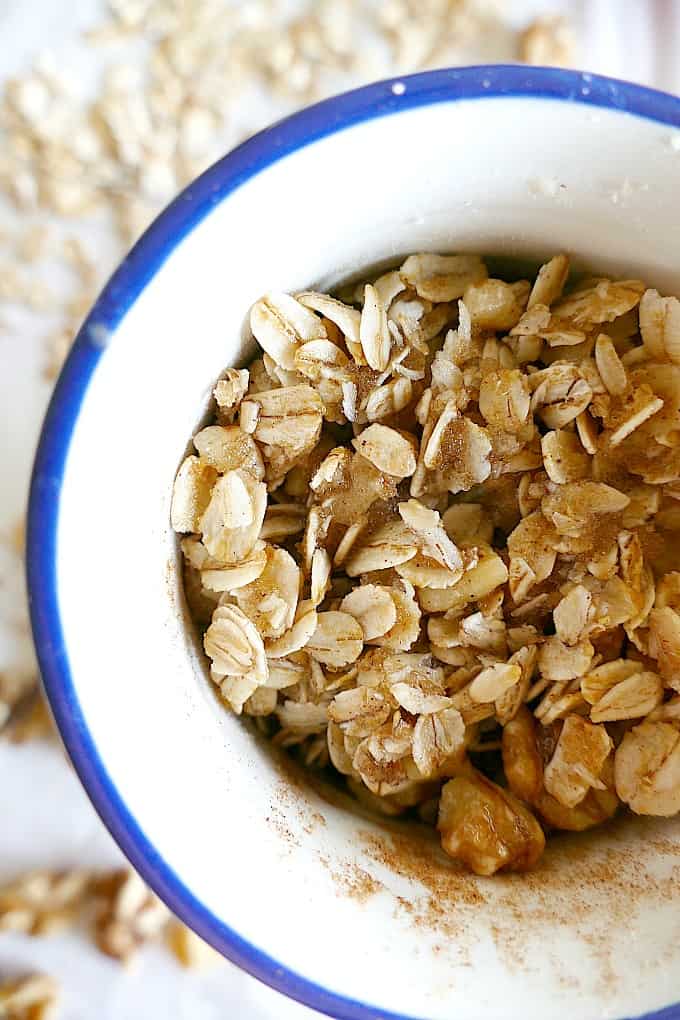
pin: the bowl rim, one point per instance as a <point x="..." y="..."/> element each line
<point x="311" y="124"/>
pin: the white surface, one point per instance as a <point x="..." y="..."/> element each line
<point x="51" y="821"/>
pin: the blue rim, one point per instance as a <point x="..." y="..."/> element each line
<point x="124" y="287"/>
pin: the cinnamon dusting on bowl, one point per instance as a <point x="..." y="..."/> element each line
<point x="351" y="879"/>
<point x="595" y="892"/>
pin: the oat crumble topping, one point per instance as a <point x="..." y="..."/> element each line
<point x="430" y="538"/>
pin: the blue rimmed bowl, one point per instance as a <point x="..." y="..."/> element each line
<point x="355" y="919"/>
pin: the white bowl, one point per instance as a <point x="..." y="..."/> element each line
<point x="320" y="903"/>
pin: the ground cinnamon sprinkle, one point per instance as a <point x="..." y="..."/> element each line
<point x="592" y="890"/>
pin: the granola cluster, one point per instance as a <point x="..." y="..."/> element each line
<point x="430" y="535"/>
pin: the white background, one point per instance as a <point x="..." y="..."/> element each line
<point x="45" y="819"/>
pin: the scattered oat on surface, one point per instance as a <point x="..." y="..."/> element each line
<point x="23" y="711"/>
<point x="34" y="997"/>
<point x="40" y="902"/>
<point x="128" y="914"/>
<point x="548" y="40"/>
<point x="178" y="87"/>
<point x="189" y="948"/>
<point x="116" y="907"/>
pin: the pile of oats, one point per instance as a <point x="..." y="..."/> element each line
<point x="431" y="538"/>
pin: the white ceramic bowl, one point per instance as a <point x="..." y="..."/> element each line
<point x="324" y="905"/>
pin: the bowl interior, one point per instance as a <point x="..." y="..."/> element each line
<point x="231" y="837"/>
